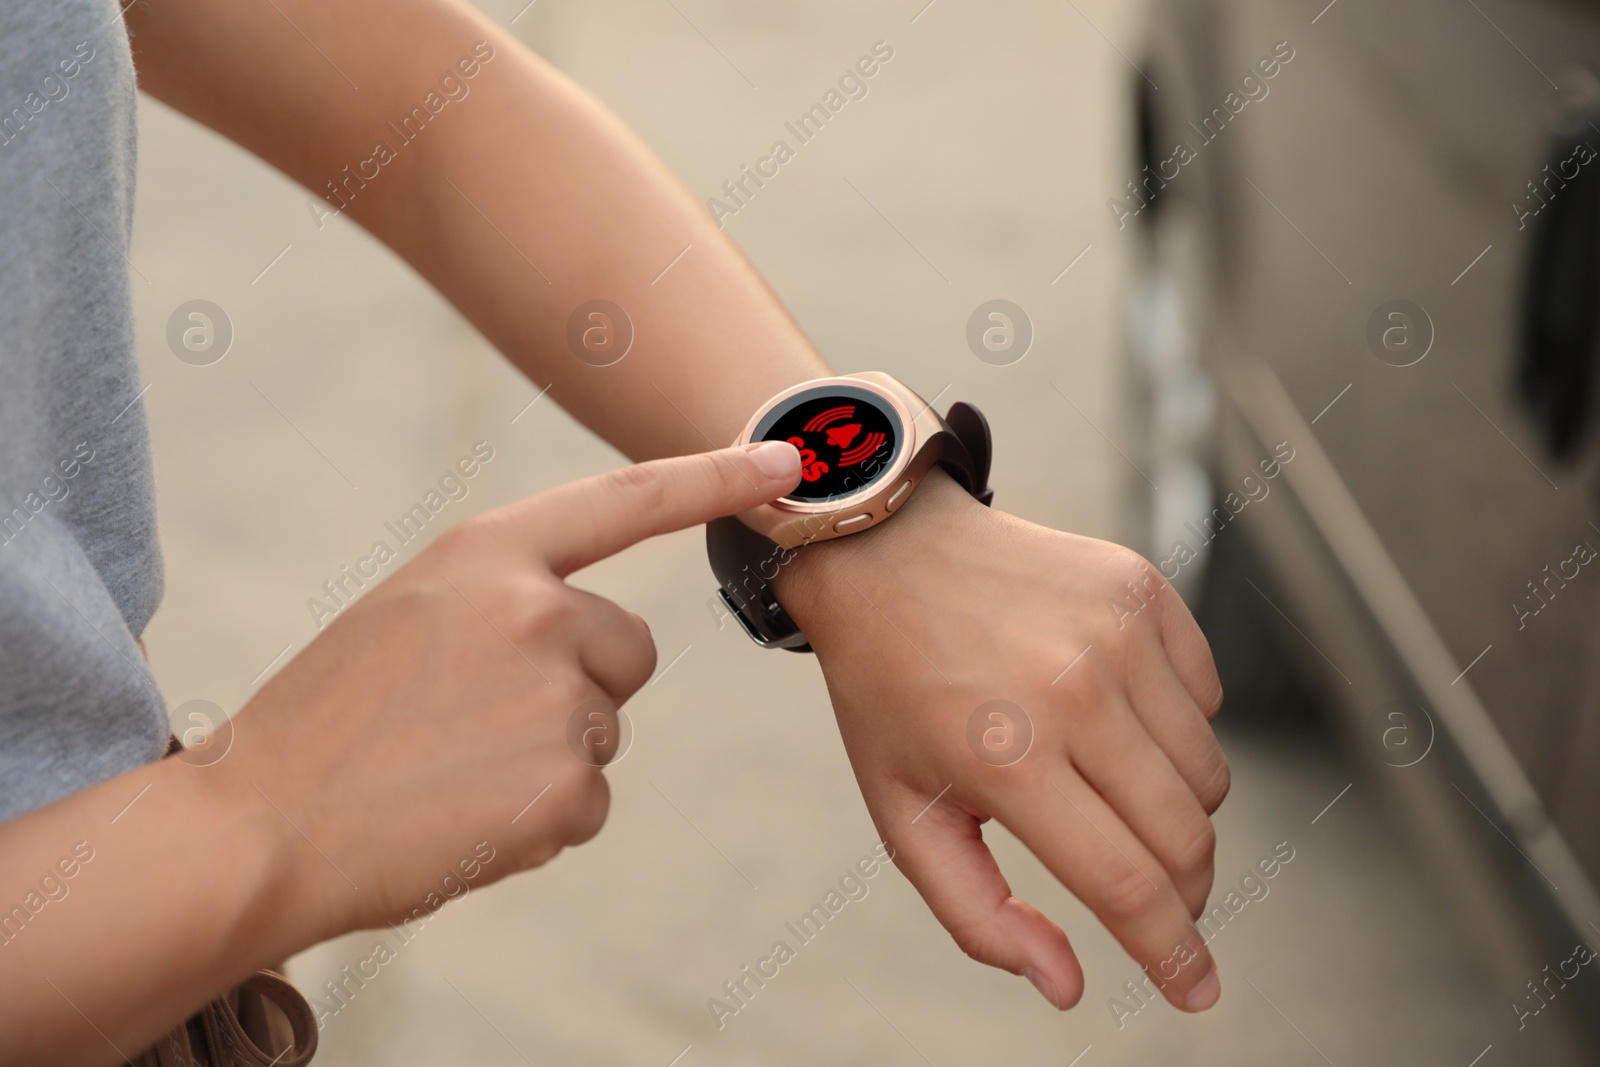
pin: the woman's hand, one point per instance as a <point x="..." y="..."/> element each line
<point x="1101" y="760"/>
<point x="472" y="683"/>
<point x="434" y="715"/>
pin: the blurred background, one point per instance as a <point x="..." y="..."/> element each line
<point x="1183" y="325"/>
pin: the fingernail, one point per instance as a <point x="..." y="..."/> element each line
<point x="642" y="623"/>
<point x="775" y="459"/>
<point x="1207" y="992"/>
<point x="1045" y="987"/>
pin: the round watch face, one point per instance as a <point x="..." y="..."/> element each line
<point x="848" y="439"/>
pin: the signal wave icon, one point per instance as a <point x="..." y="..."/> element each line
<point x="829" y="417"/>
<point x="868" y="446"/>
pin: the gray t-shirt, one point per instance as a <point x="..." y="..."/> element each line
<point x="80" y="567"/>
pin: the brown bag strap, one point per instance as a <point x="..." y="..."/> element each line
<point x="240" y="1030"/>
<point x="234" y="1044"/>
<point x="173" y="1050"/>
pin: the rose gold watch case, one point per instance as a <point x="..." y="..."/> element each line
<point x="792" y="523"/>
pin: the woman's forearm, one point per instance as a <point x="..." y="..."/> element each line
<point x="131" y="904"/>
<point x="599" y="216"/>
<point x="520" y="199"/>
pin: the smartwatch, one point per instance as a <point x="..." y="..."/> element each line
<point x="866" y="441"/>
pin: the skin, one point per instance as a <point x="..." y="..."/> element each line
<point x="430" y="712"/>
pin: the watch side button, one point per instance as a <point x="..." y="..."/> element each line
<point x="852" y="524"/>
<point x="898" y="497"/>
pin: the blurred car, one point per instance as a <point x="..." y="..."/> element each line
<point x="1363" y="329"/>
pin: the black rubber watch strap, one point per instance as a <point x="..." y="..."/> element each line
<point x="968" y="432"/>
<point x="745" y="562"/>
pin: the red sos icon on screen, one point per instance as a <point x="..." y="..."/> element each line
<point x="839" y="434"/>
<point x="845" y="438"/>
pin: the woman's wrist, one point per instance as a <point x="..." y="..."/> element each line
<point x="266" y="901"/>
<point x="821" y="572"/>
<point x="291" y="895"/>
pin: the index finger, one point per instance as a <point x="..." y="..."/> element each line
<point x="574" y="525"/>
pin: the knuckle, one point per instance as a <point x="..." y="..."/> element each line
<point x="595" y="736"/>
<point x="643" y="484"/>
<point x="457" y="536"/>
<point x="727" y="477"/>
<point x="978" y="938"/>
<point x="1081" y="689"/>
<point x="1122" y="558"/>
<point x="1203" y="883"/>
<point x="539" y="608"/>
<point x="588" y="806"/>
<point x="1218" y="780"/>
<point x="576" y="782"/>
<point x="1198" y="848"/>
<point x="1140" y="571"/>
<point x="1128" y="895"/>
<point x="642" y="662"/>
<point x="520" y="608"/>
<point x="627" y="646"/>
<point x="570" y="779"/>
<point x="541" y="854"/>
<point x="1135" y="597"/>
<point x="616" y="623"/>
<point x="464" y="540"/>
<point x="462" y="554"/>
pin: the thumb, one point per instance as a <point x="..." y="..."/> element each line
<point x="574" y="525"/>
<point x="943" y="854"/>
